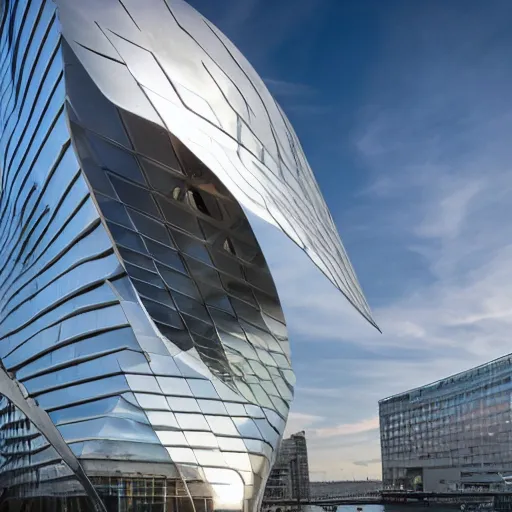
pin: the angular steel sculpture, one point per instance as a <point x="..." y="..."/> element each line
<point x="144" y="354"/>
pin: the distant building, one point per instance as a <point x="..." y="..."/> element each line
<point x="343" y="487"/>
<point x="453" y="434"/>
<point x="289" y="478"/>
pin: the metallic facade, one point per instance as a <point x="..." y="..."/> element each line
<point x="144" y="353"/>
<point x="452" y="434"/>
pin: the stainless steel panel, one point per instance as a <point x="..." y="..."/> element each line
<point x="139" y="321"/>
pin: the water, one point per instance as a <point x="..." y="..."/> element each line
<point x="386" y="508"/>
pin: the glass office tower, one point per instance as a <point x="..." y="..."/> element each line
<point x="452" y="434"/>
<point x="145" y="362"/>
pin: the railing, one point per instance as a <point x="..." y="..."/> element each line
<point x="325" y="498"/>
<point x="347" y="495"/>
<point x="455" y="492"/>
<point x="387" y="493"/>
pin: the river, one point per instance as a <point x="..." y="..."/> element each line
<point x="385" y="508"/>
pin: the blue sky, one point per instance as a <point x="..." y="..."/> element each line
<point x="404" y="110"/>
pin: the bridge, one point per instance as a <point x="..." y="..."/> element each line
<point x="391" y="496"/>
<point x="360" y="498"/>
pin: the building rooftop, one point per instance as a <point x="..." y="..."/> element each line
<point x="466" y="375"/>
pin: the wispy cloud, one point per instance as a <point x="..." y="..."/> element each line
<point x="346" y="429"/>
<point x="450" y="211"/>
<point x="366" y="463"/>
<point x="298" y="422"/>
<point x="298" y="99"/>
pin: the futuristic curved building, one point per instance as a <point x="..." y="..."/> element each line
<point x="145" y="363"/>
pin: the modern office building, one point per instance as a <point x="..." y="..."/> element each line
<point x="453" y="434"/>
<point x="144" y="355"/>
<point x="289" y="478"/>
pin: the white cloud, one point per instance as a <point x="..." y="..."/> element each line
<point x="299" y="421"/>
<point x="366" y="463"/>
<point x="449" y="213"/>
<point x="346" y="429"/>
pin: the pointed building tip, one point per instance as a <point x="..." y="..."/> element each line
<point x="372" y="322"/>
<point x="363" y="309"/>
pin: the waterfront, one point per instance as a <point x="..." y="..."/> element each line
<point x="344" y="487"/>
<point x="384" y="508"/>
